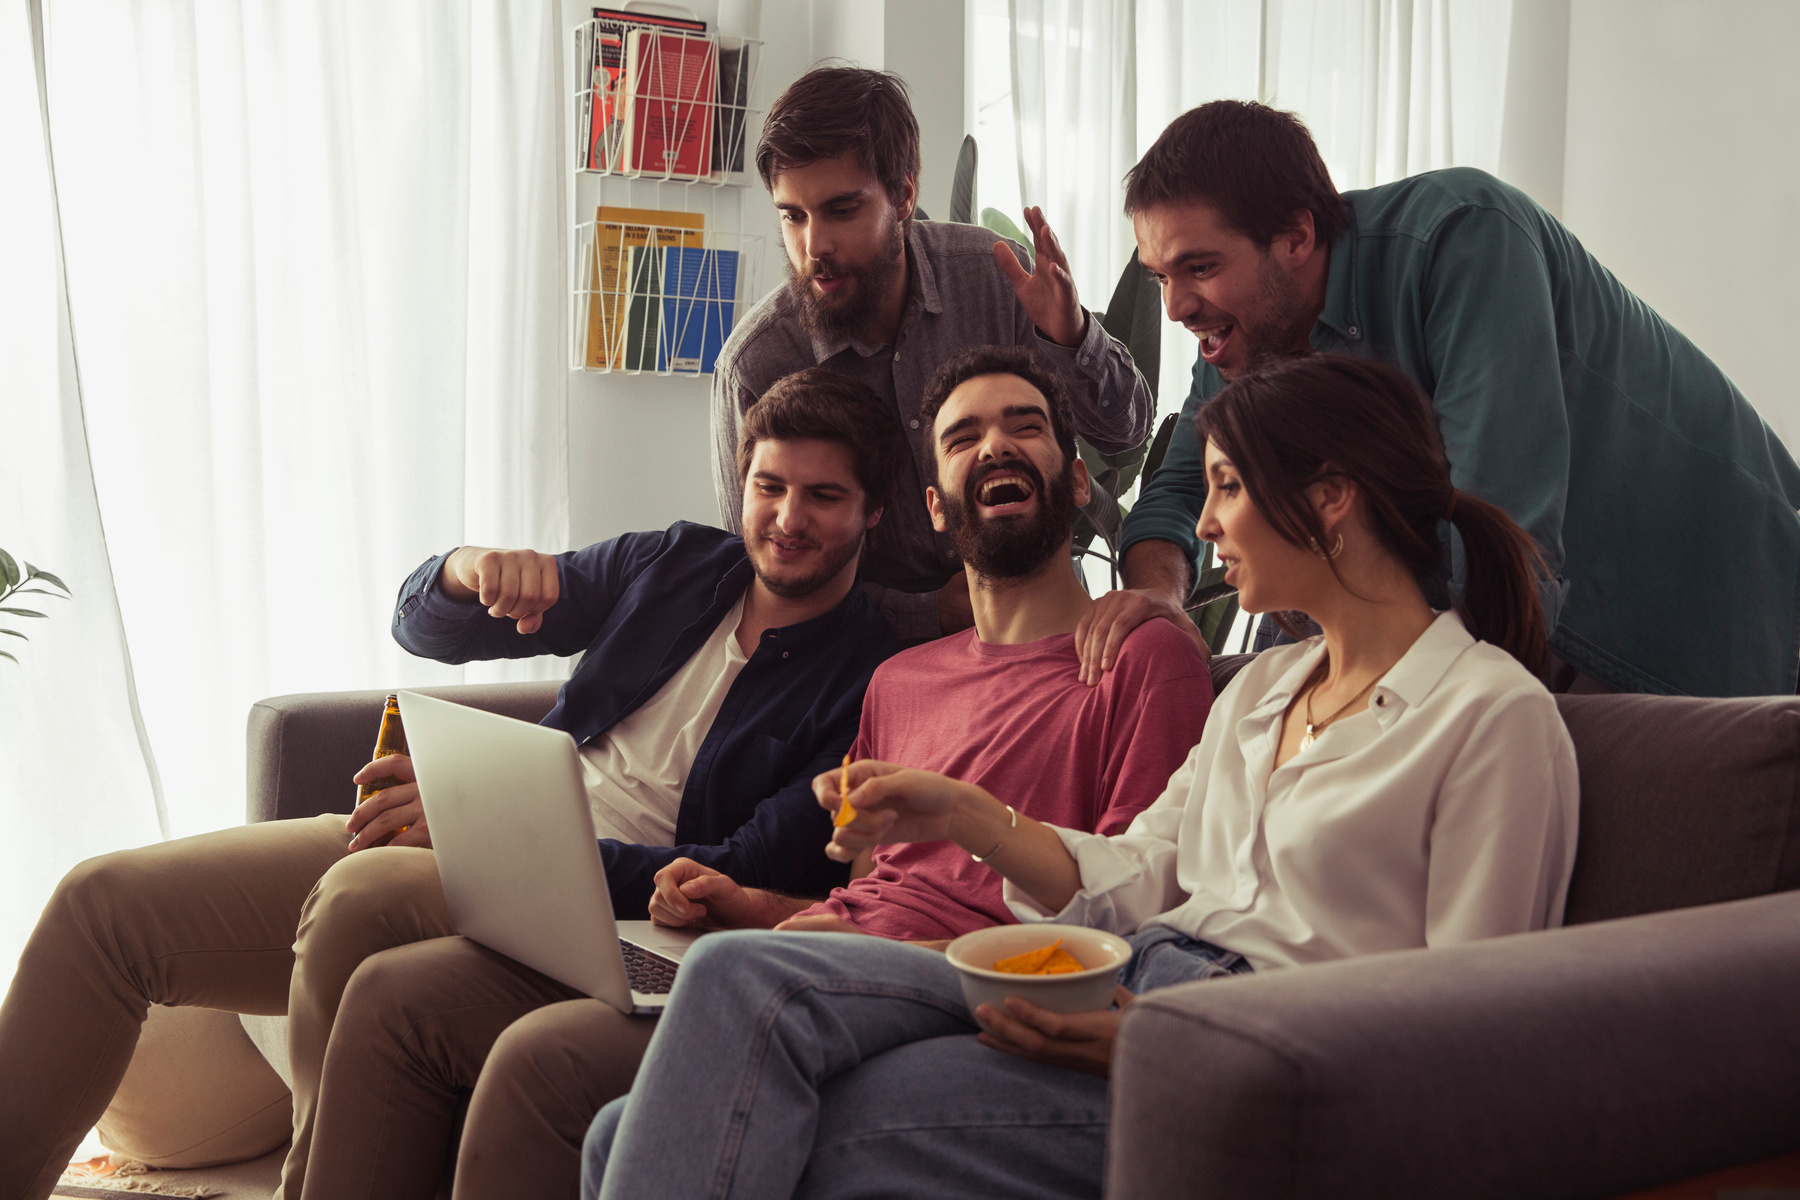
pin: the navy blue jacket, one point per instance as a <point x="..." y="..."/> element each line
<point x="640" y="605"/>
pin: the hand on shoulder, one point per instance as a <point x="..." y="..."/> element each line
<point x="1100" y="636"/>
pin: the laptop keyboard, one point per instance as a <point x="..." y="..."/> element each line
<point x="649" y="973"/>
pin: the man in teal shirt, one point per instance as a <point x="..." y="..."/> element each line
<point x="1663" y="504"/>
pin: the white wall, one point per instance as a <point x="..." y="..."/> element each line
<point x="1681" y="174"/>
<point x="639" y="447"/>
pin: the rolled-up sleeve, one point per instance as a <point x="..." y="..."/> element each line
<point x="1169" y="503"/>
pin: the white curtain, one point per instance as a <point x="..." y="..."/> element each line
<point x="1389" y="88"/>
<point x="315" y="282"/>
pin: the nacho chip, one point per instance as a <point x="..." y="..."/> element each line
<point x="845" y="813"/>
<point x="1045" y="960"/>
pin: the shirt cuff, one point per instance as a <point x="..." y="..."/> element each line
<point x="1088" y="353"/>
<point x="429" y="599"/>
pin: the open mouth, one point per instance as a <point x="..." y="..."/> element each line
<point x="1004" y="493"/>
<point x="1213" y="340"/>
<point x="788" y="548"/>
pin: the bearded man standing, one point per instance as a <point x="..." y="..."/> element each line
<point x="881" y="296"/>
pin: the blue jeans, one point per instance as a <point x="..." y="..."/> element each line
<point x="838" y="1065"/>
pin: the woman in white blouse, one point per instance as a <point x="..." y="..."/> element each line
<point x="1393" y="784"/>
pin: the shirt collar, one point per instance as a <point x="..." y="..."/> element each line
<point x="921" y="293"/>
<point x="1406" y="683"/>
<point x="799" y="636"/>
<point x="1340" y="314"/>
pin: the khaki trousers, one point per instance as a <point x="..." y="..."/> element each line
<point x="269" y="918"/>
<point x="423" y="1024"/>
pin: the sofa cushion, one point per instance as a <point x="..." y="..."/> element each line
<point x="1683" y="801"/>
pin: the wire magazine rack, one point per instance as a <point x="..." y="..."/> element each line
<point x="658" y="298"/>
<point x="665" y="104"/>
<point x="662" y="272"/>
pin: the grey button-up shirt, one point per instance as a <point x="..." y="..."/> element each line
<point x="957" y="298"/>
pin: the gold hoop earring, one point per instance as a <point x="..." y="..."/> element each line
<point x="1337" y="547"/>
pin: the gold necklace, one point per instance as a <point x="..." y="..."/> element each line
<point x="1312" y="729"/>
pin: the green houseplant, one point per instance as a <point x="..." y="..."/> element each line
<point x="28" y="582"/>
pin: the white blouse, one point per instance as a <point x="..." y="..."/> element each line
<point x="1444" y="813"/>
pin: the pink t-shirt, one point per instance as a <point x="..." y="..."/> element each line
<point x="1018" y="721"/>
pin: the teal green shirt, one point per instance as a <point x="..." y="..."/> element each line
<point x="1663" y="504"/>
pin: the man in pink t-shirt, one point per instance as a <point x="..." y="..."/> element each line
<point x="1002" y="705"/>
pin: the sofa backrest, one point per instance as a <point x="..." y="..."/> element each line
<point x="1683" y="801"/>
<point x="303" y="749"/>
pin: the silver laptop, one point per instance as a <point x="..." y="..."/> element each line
<point x="517" y="856"/>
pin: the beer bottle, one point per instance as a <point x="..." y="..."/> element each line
<point x="390" y="740"/>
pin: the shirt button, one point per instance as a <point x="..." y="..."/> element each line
<point x="1351" y="331"/>
<point x="1380" y="701"/>
<point x="915" y="423"/>
<point x="1084" y="360"/>
<point x="784" y="654"/>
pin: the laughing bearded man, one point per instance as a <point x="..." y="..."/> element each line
<point x="880" y="294"/>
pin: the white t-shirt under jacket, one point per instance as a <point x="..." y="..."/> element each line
<point x="1444" y="813"/>
<point x="635" y="772"/>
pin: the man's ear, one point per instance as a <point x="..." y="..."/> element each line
<point x="1295" y="245"/>
<point x="934" y="504"/>
<point x="1083" y="486"/>
<point x="909" y="196"/>
<point x="873" y="519"/>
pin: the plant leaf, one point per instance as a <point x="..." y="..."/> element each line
<point x="22" y="612"/>
<point x="4" y="654"/>
<point x="962" y="186"/>
<point x="9" y="568"/>
<point x="25" y="591"/>
<point x="1001" y="224"/>
<point x="47" y="577"/>
<point x="14" y="633"/>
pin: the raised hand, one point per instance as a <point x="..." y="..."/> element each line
<point x="517" y="584"/>
<point x="1046" y="293"/>
<point x="396" y="810"/>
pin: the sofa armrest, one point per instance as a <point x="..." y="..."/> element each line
<point x="1581" y="1062"/>
<point x="303" y="749"/>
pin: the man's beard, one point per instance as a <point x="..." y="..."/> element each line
<point x="1012" y="547"/>
<point x="1282" y="323"/>
<point x="849" y="312"/>
<point x="806" y="585"/>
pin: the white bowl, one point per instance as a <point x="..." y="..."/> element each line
<point x="974" y="955"/>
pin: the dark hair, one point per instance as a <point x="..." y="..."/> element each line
<point x="1290" y="424"/>
<point x="1256" y="165"/>
<point x="821" y="404"/>
<point x="833" y="111"/>
<point x="1001" y="360"/>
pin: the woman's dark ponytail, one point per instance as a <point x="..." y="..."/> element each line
<point x="1288" y="425"/>
<point x="1501" y="570"/>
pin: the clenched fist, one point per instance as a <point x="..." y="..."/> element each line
<point x="520" y="585"/>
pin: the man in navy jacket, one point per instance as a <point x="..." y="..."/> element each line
<point x="720" y="674"/>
